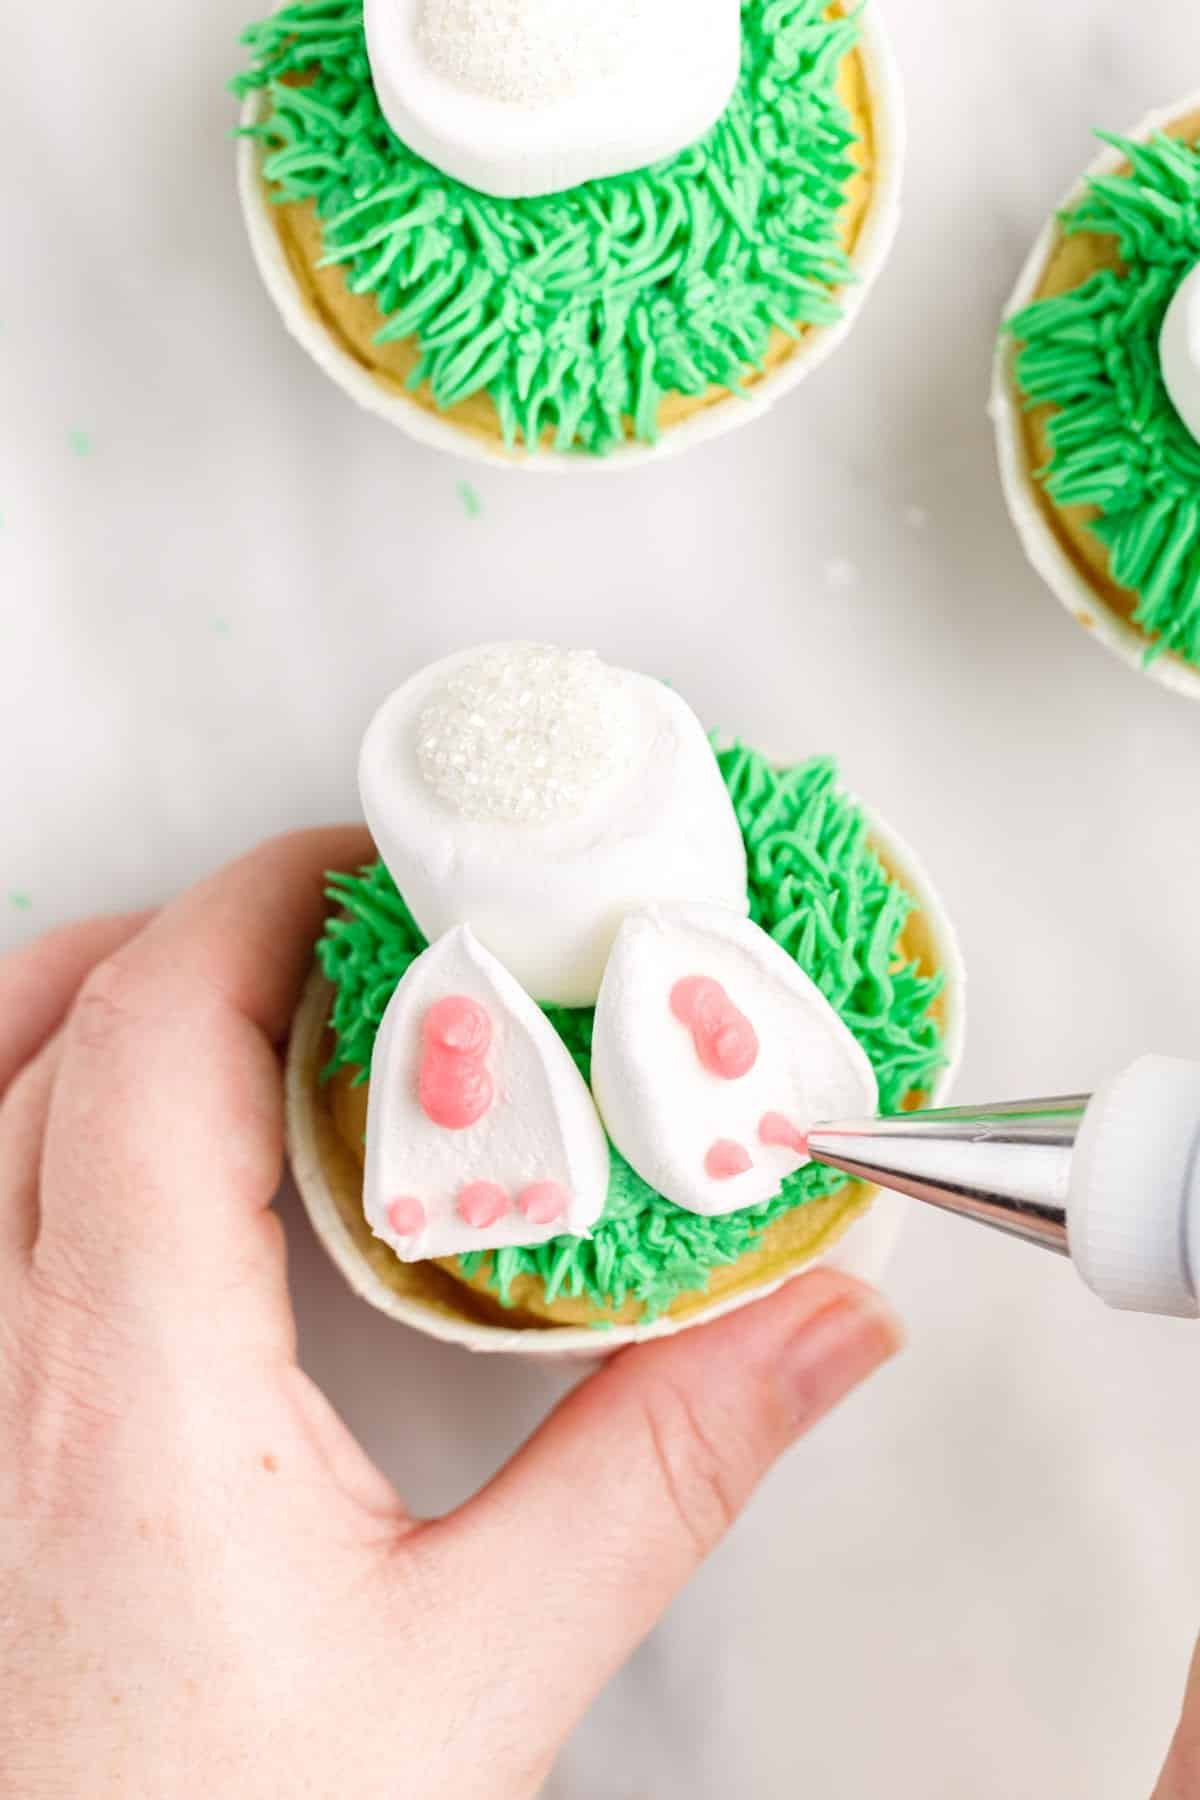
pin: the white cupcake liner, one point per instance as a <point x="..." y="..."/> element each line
<point x="863" y="1250"/>
<point x="1074" y="591"/>
<point x="875" y="237"/>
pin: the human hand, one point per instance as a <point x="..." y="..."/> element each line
<point x="206" y="1587"/>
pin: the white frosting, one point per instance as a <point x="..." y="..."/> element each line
<point x="544" y="878"/>
<point x="541" y="1125"/>
<point x="1179" y="351"/>
<point x="523" y="97"/>
<point x="664" y="1109"/>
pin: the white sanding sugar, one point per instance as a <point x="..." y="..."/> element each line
<point x="529" y="52"/>
<point x="523" y="734"/>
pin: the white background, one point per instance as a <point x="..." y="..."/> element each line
<point x="980" y="1578"/>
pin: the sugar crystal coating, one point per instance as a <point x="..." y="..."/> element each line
<point x="528" y="52"/>
<point x="523" y="735"/>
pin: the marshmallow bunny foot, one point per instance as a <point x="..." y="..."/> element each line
<point x="714" y="1054"/>
<point x="481" y="1131"/>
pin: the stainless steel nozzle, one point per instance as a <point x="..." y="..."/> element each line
<point x="1006" y="1165"/>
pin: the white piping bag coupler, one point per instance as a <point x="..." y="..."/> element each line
<point x="1111" y="1179"/>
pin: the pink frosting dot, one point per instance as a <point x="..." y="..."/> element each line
<point x="405" y="1215"/>
<point x="726" y="1042"/>
<point x="459" y="1024"/>
<point x="543" y="1201"/>
<point x="726" y="1158"/>
<point x="454" y="1086"/>
<point x="481" y="1203"/>
<point x="777" y="1129"/>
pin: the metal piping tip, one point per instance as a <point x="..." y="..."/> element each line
<point x="1006" y="1165"/>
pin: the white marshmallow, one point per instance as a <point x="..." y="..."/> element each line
<point x="541" y="1124"/>
<point x="664" y="1109"/>
<point x="523" y="97"/>
<point x="539" y="796"/>
<point x="1179" y="350"/>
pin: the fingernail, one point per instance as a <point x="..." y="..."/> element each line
<point x="833" y="1351"/>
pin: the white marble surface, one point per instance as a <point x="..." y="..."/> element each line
<point x="979" y="1579"/>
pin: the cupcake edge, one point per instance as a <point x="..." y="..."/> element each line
<point x="868" y="255"/>
<point x="862" y="1250"/>
<point x="1041" y="543"/>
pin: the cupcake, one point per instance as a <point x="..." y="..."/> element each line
<point x="1096" y="399"/>
<point x="549" y="1084"/>
<point x="546" y="234"/>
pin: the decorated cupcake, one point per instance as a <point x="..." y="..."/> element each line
<point x="581" y="228"/>
<point x="549" y="1086"/>
<point x="1096" y="399"/>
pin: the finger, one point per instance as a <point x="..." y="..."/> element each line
<point x="23" y="1114"/>
<point x="634" y="1479"/>
<point x="346" y="1462"/>
<point x="38" y="983"/>
<point x="164" y="1146"/>
<point x="1180" y="1779"/>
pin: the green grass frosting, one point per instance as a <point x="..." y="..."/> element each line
<point x="1117" y="442"/>
<point x="817" y="886"/>
<point x="579" y="310"/>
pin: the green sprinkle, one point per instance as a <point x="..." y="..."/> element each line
<point x="222" y="627"/>
<point x="472" y="505"/>
<point x="80" y="442"/>
<point x="1117" y="443"/>
<point x="575" y="312"/>
<point x="22" y="902"/>
<point x="644" y="1246"/>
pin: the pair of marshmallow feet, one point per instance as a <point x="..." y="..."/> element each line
<point x="713" y="1055"/>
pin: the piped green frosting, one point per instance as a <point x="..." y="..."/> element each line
<point x="577" y="311"/>
<point x="1117" y="442"/>
<point x="818" y="887"/>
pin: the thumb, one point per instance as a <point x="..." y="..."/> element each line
<point x="584" y="1538"/>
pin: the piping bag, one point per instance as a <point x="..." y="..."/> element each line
<point x="1110" y="1179"/>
